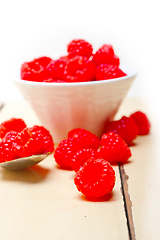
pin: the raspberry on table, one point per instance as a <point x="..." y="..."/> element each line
<point x="85" y="139"/>
<point x="81" y="156"/>
<point x="96" y="178"/>
<point x="13" y="124"/>
<point x="7" y="152"/>
<point x="79" y="69"/>
<point x="65" y="151"/>
<point x="79" y="47"/>
<point x="142" y="122"/>
<point x="107" y="71"/>
<point x="106" y="55"/>
<point x="114" y="149"/>
<point x="125" y="127"/>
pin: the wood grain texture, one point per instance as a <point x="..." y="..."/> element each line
<point x="143" y="171"/>
<point x="42" y="202"/>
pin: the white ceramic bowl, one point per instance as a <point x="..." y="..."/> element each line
<point x="61" y="107"/>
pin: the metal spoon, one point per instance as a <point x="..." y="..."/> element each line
<point x="22" y="163"/>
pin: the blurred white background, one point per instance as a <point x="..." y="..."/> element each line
<point x="33" y="28"/>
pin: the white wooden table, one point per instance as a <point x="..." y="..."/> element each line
<point x="42" y="202"/>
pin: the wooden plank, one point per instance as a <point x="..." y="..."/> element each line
<point x="143" y="172"/>
<point x="19" y="109"/>
<point x="42" y="202"/>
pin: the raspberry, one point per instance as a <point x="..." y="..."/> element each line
<point x="114" y="149"/>
<point x="96" y="178"/>
<point x="107" y="71"/>
<point x="59" y="81"/>
<point x="142" y="122"/>
<point x="64" y="58"/>
<point x="49" y="80"/>
<point x="28" y="143"/>
<point x="79" y="47"/>
<point x="56" y="68"/>
<point x="43" y="61"/>
<point x="36" y="70"/>
<point x="79" y="69"/>
<point x="125" y="127"/>
<point x="81" y="156"/>
<point x="52" y="80"/>
<point x="105" y="54"/>
<point x="64" y="152"/>
<point x="13" y="124"/>
<point x="85" y="139"/>
<point x="32" y="141"/>
<point x="48" y="144"/>
<point x="7" y="152"/>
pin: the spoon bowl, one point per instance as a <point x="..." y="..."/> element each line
<point x="22" y="163"/>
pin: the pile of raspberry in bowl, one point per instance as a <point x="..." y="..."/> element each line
<point x="80" y="64"/>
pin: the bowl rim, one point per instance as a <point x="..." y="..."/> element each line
<point x="122" y="66"/>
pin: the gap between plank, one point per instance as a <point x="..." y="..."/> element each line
<point x="1" y="105"/>
<point x="127" y="202"/>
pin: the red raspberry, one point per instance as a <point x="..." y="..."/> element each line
<point x="28" y="143"/>
<point x="14" y="124"/>
<point x="35" y="70"/>
<point x="81" y="156"/>
<point x="95" y="179"/>
<point x="114" y="149"/>
<point x="59" y="81"/>
<point x="52" y="80"/>
<point x="85" y="139"/>
<point x="64" y="58"/>
<point x="56" y="68"/>
<point x="48" y="144"/>
<point x="64" y="152"/>
<point x="106" y="71"/>
<point x="7" y="152"/>
<point x="43" y="61"/>
<point x="142" y="122"/>
<point x="125" y="127"/>
<point x="49" y="80"/>
<point x="105" y="54"/>
<point x="79" y="47"/>
<point x="79" y="69"/>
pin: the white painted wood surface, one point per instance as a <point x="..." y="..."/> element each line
<point x="144" y="172"/>
<point x="42" y="202"/>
